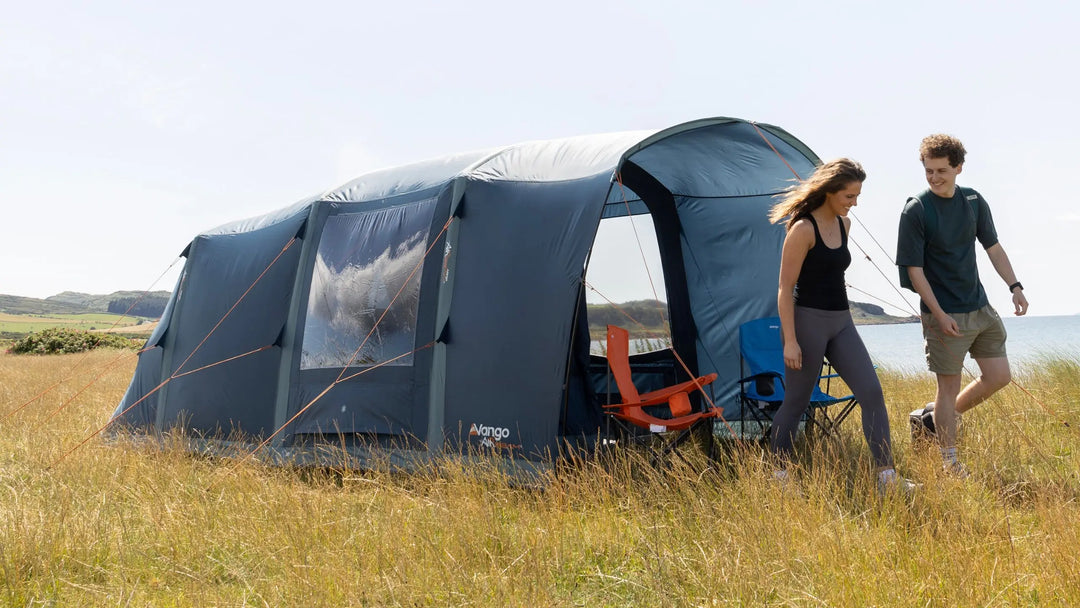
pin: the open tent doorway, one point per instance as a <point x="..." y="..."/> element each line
<point x="625" y="285"/>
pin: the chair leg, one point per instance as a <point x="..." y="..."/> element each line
<point x="828" y="427"/>
<point x="847" y="409"/>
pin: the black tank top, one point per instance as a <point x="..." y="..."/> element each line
<point x="821" y="281"/>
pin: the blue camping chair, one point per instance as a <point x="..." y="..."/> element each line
<point x="762" y="391"/>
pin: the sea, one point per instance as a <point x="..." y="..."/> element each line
<point x="899" y="347"/>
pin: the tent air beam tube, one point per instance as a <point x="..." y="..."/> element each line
<point x="288" y="334"/>
<point x="437" y="386"/>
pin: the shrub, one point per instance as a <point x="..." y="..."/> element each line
<point x="56" y="340"/>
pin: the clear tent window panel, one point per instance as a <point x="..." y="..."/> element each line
<point x="365" y="287"/>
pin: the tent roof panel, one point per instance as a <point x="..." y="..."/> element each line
<point x="262" y="221"/>
<point x="394" y="181"/>
<point x="558" y="160"/>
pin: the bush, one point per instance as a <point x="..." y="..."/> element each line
<point x="56" y="340"/>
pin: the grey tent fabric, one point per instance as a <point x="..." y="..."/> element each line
<point x="438" y="306"/>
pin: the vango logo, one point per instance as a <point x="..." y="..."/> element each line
<point x="491" y="436"/>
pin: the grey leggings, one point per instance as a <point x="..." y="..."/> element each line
<point x="832" y="334"/>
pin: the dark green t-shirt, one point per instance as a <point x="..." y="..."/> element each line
<point x="947" y="254"/>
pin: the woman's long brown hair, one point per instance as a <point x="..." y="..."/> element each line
<point x="799" y="200"/>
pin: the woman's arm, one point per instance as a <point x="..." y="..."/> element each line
<point x="798" y="242"/>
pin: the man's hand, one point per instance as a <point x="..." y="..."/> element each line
<point x="947" y="325"/>
<point x="1019" y="302"/>
<point x="793" y="355"/>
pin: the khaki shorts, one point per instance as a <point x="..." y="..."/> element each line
<point x="981" y="333"/>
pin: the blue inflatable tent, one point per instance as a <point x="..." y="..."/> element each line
<point x="440" y="305"/>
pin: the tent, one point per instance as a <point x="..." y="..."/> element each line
<point x="439" y="306"/>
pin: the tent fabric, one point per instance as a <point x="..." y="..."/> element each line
<point x="438" y="305"/>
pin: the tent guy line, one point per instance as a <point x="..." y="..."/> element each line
<point x="177" y="373"/>
<point x="104" y="369"/>
<point x="233" y="307"/>
<point x="271" y="437"/>
<point x="81" y="360"/>
<point x="340" y="378"/>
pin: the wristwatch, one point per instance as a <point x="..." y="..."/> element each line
<point x="1015" y="285"/>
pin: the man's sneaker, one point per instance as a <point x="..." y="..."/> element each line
<point x="922" y="423"/>
<point x="928" y="418"/>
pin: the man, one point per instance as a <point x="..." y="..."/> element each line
<point x="936" y="256"/>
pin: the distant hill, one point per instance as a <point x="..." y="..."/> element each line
<point x="872" y="314"/>
<point x="151" y="304"/>
<point x="18" y="305"/>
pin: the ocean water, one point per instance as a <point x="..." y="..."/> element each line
<point x="900" y="347"/>
<point x="1031" y="339"/>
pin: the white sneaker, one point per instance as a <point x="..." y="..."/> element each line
<point x="890" y="481"/>
<point x="786" y="482"/>
<point x="899" y="485"/>
<point x="956" y="469"/>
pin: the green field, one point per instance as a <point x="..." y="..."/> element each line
<point x="116" y="523"/>
<point x="23" y="324"/>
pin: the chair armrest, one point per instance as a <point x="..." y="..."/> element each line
<point x="760" y="375"/>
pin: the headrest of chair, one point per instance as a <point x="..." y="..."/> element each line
<point x="764" y="386"/>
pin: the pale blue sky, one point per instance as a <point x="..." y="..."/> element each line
<point x="127" y="128"/>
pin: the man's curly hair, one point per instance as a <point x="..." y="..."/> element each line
<point x="942" y="146"/>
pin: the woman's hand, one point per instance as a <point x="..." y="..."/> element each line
<point x="793" y="355"/>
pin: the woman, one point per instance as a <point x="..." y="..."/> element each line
<point x="814" y="315"/>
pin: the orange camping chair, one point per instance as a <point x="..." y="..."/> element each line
<point x="632" y="408"/>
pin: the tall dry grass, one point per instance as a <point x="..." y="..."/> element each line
<point x="117" y="524"/>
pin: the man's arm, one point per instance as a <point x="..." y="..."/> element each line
<point x="922" y="287"/>
<point x="1004" y="268"/>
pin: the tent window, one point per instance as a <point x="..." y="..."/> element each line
<point x="364" y="259"/>
<point x="617" y="271"/>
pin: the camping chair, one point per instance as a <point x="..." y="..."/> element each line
<point x="632" y="408"/>
<point x="762" y="391"/>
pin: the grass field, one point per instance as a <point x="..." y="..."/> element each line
<point x="114" y="524"/>
<point x="23" y="324"/>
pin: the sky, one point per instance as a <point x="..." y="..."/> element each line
<point x="127" y="128"/>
